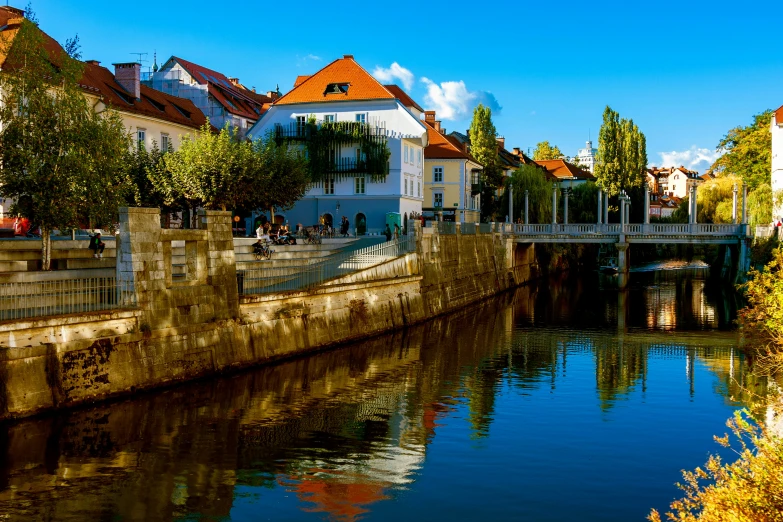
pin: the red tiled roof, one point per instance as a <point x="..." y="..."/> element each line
<point x="559" y="169"/>
<point x="234" y="97"/>
<point x="401" y="95"/>
<point x="779" y="116"/>
<point x="97" y="80"/>
<point x="155" y="104"/>
<point x="361" y="85"/>
<point x="443" y="147"/>
<point x="300" y="79"/>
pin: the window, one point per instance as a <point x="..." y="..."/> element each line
<point x="418" y="157"/>
<point x="418" y="183"/>
<point x="677" y="176"/>
<point x="674" y="187"/>
<point x="164" y="142"/>
<point x="337" y="88"/>
<point x="358" y="185"/>
<point x="406" y="154"/>
<point x="360" y="157"/>
<point x="406" y="186"/>
<point x="329" y="118"/>
<point x="141" y="138"/>
<point x="437" y="175"/>
<point x="329" y="186"/>
<point x="361" y="117"/>
<point x="437" y="199"/>
<point x="301" y="123"/>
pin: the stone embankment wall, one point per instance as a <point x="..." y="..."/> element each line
<point x="197" y="325"/>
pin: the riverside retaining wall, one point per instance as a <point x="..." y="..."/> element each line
<point x="191" y="327"/>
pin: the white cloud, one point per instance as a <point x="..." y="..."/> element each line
<point x="306" y="59"/>
<point x="396" y="71"/>
<point x="453" y="100"/>
<point x="694" y="158"/>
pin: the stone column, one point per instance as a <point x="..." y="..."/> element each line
<point x="510" y="202"/>
<point x="622" y="209"/>
<point x="141" y="267"/>
<point x="221" y="263"/>
<point x="606" y="208"/>
<point x="527" y="193"/>
<point x="565" y="207"/>
<point x="623" y="260"/>
<point x="695" y="205"/>
<point x="646" y="204"/>
<point x="600" y="207"/>
<point x="734" y="205"/>
<point x="554" y="204"/>
<point x="690" y="206"/>
<point x="744" y="203"/>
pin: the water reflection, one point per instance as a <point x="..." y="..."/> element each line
<point x="346" y="431"/>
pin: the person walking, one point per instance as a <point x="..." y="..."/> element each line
<point x="396" y="231"/>
<point x="387" y="233"/>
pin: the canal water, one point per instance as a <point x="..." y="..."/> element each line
<point x="565" y="400"/>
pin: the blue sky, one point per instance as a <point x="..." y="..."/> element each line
<point x="684" y="71"/>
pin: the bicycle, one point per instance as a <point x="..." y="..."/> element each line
<point x="311" y="236"/>
<point x="262" y="250"/>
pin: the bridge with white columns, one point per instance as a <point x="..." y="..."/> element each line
<point x="623" y="234"/>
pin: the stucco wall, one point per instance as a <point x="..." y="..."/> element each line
<point x="198" y="326"/>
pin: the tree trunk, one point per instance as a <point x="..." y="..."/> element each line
<point x="46" y="248"/>
<point x="272" y="215"/>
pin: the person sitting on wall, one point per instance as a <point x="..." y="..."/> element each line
<point x="96" y="245"/>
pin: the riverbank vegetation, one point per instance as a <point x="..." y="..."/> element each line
<point x="751" y="488"/>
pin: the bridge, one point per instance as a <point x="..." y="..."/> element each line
<point x="623" y="234"/>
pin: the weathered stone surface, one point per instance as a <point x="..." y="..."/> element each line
<point x="194" y="326"/>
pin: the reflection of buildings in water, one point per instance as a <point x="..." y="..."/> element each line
<point x="365" y="413"/>
<point x="736" y="380"/>
<point x="666" y="301"/>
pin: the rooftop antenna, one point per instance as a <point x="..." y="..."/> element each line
<point x="140" y="55"/>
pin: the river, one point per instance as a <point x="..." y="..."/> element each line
<point x="564" y="400"/>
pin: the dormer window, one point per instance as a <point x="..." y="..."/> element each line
<point x="337" y="88"/>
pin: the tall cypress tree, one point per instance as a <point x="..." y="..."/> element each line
<point x="622" y="154"/>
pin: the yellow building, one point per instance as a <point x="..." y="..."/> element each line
<point x="451" y="177"/>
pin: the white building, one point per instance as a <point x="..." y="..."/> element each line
<point x="586" y="157"/>
<point x="344" y="92"/>
<point x="777" y="162"/>
<point x="221" y="99"/>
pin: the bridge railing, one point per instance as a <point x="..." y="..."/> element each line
<point x="674" y="229"/>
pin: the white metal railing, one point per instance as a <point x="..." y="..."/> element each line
<point x="271" y="280"/>
<point x="25" y="300"/>
<point x="673" y="229"/>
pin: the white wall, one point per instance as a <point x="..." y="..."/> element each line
<point x="777" y="165"/>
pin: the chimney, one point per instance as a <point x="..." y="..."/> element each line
<point x="465" y="147"/>
<point x="92" y="62"/>
<point x="129" y="76"/>
<point x="501" y="141"/>
<point x="234" y="81"/>
<point x="429" y="116"/>
<point x="348" y="56"/>
<point x="437" y="125"/>
<point x="272" y="94"/>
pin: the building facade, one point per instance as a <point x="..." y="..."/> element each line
<point x="222" y="99"/>
<point x="452" y="188"/>
<point x="672" y="181"/>
<point x="777" y="163"/>
<point x="344" y="98"/>
<point x="586" y="157"/>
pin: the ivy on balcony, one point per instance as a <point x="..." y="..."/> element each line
<point x="325" y="141"/>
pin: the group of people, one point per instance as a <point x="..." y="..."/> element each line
<point x="281" y="236"/>
<point x="388" y="232"/>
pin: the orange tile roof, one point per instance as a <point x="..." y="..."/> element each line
<point x="559" y="169"/>
<point x="234" y="97"/>
<point x="401" y="95"/>
<point x="443" y="147"/>
<point x="155" y="104"/>
<point x="300" y="79"/>
<point x="779" y="116"/>
<point x="361" y="85"/>
<point x="97" y="80"/>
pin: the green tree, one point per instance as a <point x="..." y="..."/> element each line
<point x="532" y="179"/>
<point x="545" y="151"/>
<point x="622" y="154"/>
<point x="61" y="162"/>
<point x="278" y="177"/>
<point x="747" y="152"/>
<point x="209" y="171"/>
<point x="484" y="147"/>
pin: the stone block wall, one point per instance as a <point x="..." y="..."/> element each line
<point x="194" y="326"/>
